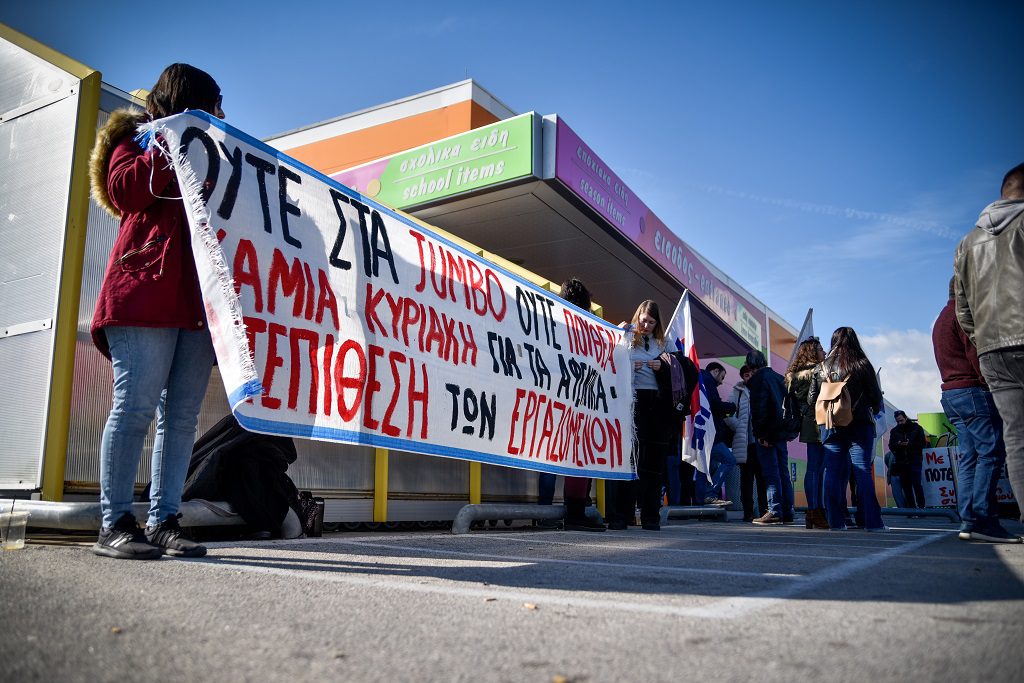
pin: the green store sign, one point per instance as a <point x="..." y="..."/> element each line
<point x="485" y="156"/>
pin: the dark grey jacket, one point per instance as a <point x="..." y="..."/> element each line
<point x="989" y="268"/>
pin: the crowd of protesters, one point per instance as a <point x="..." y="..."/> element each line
<point x="152" y="328"/>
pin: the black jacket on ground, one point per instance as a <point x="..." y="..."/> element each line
<point x="244" y="469"/>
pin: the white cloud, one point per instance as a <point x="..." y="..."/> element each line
<point x="910" y="378"/>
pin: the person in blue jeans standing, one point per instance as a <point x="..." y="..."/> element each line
<point x="969" y="406"/>
<point x="989" y="272"/>
<point x="851" y="444"/>
<point x="722" y="460"/>
<point x="798" y="383"/>
<point x="767" y="392"/>
<point x="150" y="322"/>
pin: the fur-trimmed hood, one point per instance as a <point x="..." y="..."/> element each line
<point x="801" y="374"/>
<point x="122" y="122"/>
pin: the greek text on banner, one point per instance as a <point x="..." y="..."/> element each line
<point x="337" y="319"/>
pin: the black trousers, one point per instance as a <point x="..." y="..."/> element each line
<point x="651" y="449"/>
<point x="751" y="476"/>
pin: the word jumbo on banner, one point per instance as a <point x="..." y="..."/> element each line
<point x="335" y="318"/>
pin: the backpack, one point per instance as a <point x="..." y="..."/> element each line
<point x="834" y="407"/>
<point x="792" y="417"/>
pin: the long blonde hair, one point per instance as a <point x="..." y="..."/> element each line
<point x="650" y="308"/>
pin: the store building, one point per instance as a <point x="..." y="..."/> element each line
<point x="524" y="190"/>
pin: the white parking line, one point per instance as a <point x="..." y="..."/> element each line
<point x="584" y="563"/>
<point x="684" y="551"/>
<point x="726" y="608"/>
<point x="732" y="608"/>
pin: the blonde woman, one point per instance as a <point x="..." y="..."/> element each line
<point x="652" y="421"/>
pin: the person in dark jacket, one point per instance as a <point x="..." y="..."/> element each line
<point x="150" y="322"/>
<point x="798" y="383"/>
<point x="744" y="448"/>
<point x="679" y="475"/>
<point x="979" y="429"/>
<point x="576" y="490"/>
<point x="767" y="392"/>
<point x="722" y="460"/>
<point x="850" y="444"/>
<point x="907" y="441"/>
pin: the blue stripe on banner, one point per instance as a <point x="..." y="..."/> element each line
<point x="281" y="156"/>
<point x="262" y="426"/>
<point x="251" y="388"/>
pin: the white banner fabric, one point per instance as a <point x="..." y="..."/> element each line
<point x="338" y="319"/>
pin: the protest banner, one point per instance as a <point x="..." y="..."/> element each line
<point x="938" y="478"/>
<point x="336" y="318"/>
<point x="939" y="474"/>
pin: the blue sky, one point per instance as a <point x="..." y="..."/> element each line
<point x="822" y="154"/>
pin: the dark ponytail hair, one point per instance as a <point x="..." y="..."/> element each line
<point x="181" y="87"/>
<point x="846" y="355"/>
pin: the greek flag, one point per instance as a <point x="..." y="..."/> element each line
<point x="699" y="427"/>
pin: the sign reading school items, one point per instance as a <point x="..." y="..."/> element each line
<point x="334" y="318"/>
<point x="485" y="156"/>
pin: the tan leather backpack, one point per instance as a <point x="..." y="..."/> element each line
<point x="834" y="407"/>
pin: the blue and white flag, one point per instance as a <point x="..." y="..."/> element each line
<point x="699" y="427"/>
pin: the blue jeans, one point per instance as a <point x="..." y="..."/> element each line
<point x="774" y="461"/>
<point x="813" y="476"/>
<point x="161" y="370"/>
<point x="916" y="494"/>
<point x="896" y="484"/>
<point x="846" y="447"/>
<point x="721" y="463"/>
<point x="982" y="454"/>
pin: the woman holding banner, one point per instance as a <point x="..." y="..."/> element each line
<point x="149" y="321"/>
<point x="652" y="413"/>
<point x="851" y="443"/>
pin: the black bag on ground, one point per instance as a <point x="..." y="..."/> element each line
<point x="248" y="471"/>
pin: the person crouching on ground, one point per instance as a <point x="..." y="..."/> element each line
<point x="150" y="322"/>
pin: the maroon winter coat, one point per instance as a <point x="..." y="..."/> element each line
<point x="151" y="278"/>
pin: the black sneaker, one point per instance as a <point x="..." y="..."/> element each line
<point x="167" y="536"/>
<point x="125" y="541"/>
<point x="583" y="524"/>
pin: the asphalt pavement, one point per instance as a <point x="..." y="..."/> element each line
<point x="697" y="601"/>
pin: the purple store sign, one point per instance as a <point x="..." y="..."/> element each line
<point x="587" y="176"/>
<point x="583" y="172"/>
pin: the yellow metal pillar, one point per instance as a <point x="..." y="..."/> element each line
<point x="599" y="492"/>
<point x="380" y="485"/>
<point x="474" y="483"/>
